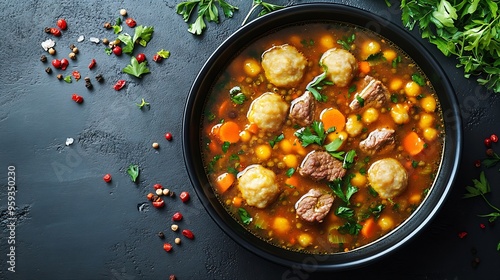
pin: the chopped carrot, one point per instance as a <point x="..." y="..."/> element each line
<point x="252" y="128"/>
<point x="224" y="181"/>
<point x="292" y="181"/>
<point x="364" y="67"/>
<point x="229" y="131"/>
<point x="237" y="201"/>
<point x="333" y="118"/>
<point x="412" y="143"/>
<point x="214" y="147"/>
<point x="223" y="108"/>
<point x="368" y="229"/>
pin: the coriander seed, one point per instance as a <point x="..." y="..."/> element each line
<point x="123" y="12"/>
<point x="52" y="51"/>
<point x="177" y="240"/>
<point x="156" y="145"/>
<point x="174" y="227"/>
<point x="159" y="192"/>
<point x="72" y="55"/>
<point x="166" y="192"/>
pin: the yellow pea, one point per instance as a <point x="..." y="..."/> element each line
<point x="385" y="223"/>
<point x="327" y="41"/>
<point x="245" y="136"/>
<point x="415" y="198"/>
<point x="412" y="89"/>
<point x="263" y="151"/>
<point x="370" y="47"/>
<point x="395" y="84"/>
<point x="430" y="134"/>
<point x="252" y="67"/>
<point x="281" y="224"/>
<point x="389" y="55"/>
<point x="286" y="146"/>
<point x="291" y="161"/>
<point x="426" y="120"/>
<point x="370" y="115"/>
<point x="305" y="239"/>
<point x="428" y="103"/>
<point x="359" y="180"/>
<point x="399" y="114"/>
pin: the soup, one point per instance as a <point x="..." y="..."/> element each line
<point x="321" y="137"/>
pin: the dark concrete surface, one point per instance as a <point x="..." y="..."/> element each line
<point x="69" y="224"/>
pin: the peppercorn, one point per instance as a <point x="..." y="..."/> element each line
<point x="188" y="234"/>
<point x="168" y="136"/>
<point x="75" y="50"/>
<point x="99" y="78"/>
<point x="166" y="192"/>
<point x="171" y="277"/>
<point x="161" y="235"/>
<point x="89" y="85"/>
<point x="107" y="25"/>
<point x="72" y="55"/>
<point x="48" y="70"/>
<point x="47" y="30"/>
<point x="184" y="196"/>
<point x="167" y="247"/>
<point x="177" y="216"/>
<point x="52" y="51"/>
<point x="159" y="192"/>
<point x="155" y="145"/>
<point x="105" y="41"/>
<point x="43" y="58"/>
<point x="72" y="46"/>
<point x="174" y="227"/>
<point x="86" y="79"/>
<point x="157" y="186"/>
<point x="490" y="152"/>
<point x="123" y="12"/>
<point x="59" y="76"/>
<point x="116" y="42"/>
<point x="177" y="240"/>
<point x="150" y="196"/>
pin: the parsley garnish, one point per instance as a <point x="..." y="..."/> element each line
<point x="396" y="61"/>
<point x="350" y="227"/>
<point x="344" y="212"/>
<point x="244" y="216"/>
<point x="236" y="95"/>
<point x="360" y="100"/>
<point x="314" y="134"/>
<point x="417" y="78"/>
<point x="290" y="172"/>
<point x="276" y="140"/>
<point x="266" y="8"/>
<point x="312" y="87"/>
<point x="376" y="58"/>
<point x="336" y="187"/>
<point x="347" y="41"/>
<point x="142" y="36"/>
<point x="135" y="68"/>
<point x="465" y="29"/>
<point x="142" y="104"/>
<point x="207" y="9"/>
<point x="349" y="159"/>
<point x="225" y="146"/>
<point x="163" y="53"/>
<point x="133" y="172"/>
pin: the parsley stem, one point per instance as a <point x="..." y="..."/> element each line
<point x="254" y="6"/>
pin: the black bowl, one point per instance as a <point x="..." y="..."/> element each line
<point x="321" y="13"/>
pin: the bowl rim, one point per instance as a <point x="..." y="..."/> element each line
<point x="322" y="12"/>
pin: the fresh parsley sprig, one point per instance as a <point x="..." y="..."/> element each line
<point x="207" y="10"/>
<point x="266" y="8"/>
<point x="465" y="29"/>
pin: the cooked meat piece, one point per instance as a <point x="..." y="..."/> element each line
<point x="314" y="205"/>
<point x="284" y="65"/>
<point x="321" y="165"/>
<point x="373" y="94"/>
<point x="388" y="177"/>
<point x="302" y="109"/>
<point x="258" y="186"/>
<point x="378" y="141"/>
<point x="268" y="111"/>
<point x="340" y="66"/>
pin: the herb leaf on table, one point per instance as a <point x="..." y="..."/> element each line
<point x="207" y="9"/>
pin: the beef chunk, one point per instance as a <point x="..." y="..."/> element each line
<point x="378" y="141"/>
<point x="373" y="94"/>
<point x="302" y="109"/>
<point x="321" y="165"/>
<point x="314" y="205"/>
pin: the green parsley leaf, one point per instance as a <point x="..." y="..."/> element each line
<point x="207" y="9"/>
<point x="225" y="146"/>
<point x="142" y="104"/>
<point x="349" y="159"/>
<point x="360" y="100"/>
<point x="244" y="216"/>
<point x="344" y="212"/>
<point x="290" y="172"/>
<point x="351" y="228"/>
<point x="68" y="79"/>
<point x="265" y="9"/>
<point x="376" y="58"/>
<point x="163" y="53"/>
<point x="135" y="68"/>
<point x="133" y="172"/>
<point x="143" y="35"/>
<point x="128" y="44"/>
<point x="334" y="145"/>
<point x="396" y="61"/>
<point x="480" y="188"/>
<point x="417" y="78"/>
<point x="347" y="41"/>
<point x="312" y="87"/>
<point x="237" y="96"/>
<point x="276" y="140"/>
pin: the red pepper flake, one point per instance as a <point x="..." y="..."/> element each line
<point x="477" y="163"/>
<point x="177" y="216"/>
<point x="92" y="64"/>
<point x="130" y="22"/>
<point x="55" y="31"/>
<point x="462" y="234"/>
<point x="167" y="247"/>
<point x="120" y="84"/>
<point x="188" y="234"/>
<point x="77" y="98"/>
<point x="107" y="178"/>
<point x="76" y="75"/>
<point x="61" y="23"/>
<point x="157" y="186"/>
<point x="159" y="203"/>
<point x="481" y="225"/>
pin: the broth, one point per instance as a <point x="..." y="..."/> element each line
<point x="372" y="139"/>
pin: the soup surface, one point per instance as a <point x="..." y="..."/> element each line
<point x="321" y="137"/>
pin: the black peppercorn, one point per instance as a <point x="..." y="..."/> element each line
<point x="43" y="58"/>
<point x="48" y="70"/>
<point x="99" y="78"/>
<point x="47" y="30"/>
<point x="59" y="76"/>
<point x="161" y="235"/>
<point x="107" y="25"/>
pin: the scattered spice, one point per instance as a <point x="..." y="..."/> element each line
<point x="48" y="44"/>
<point x="157" y="186"/>
<point x="107" y="178"/>
<point x="43" y="58"/>
<point x="188" y="234"/>
<point x="48" y="70"/>
<point x="174" y="227"/>
<point x="159" y="203"/>
<point x="68" y="80"/>
<point x="61" y="23"/>
<point x="56" y="63"/>
<point x="123" y="12"/>
<point x="117" y="50"/>
<point x="77" y="98"/>
<point x="64" y="64"/>
<point x="172" y="277"/>
<point x="92" y="63"/>
<point x="462" y="234"/>
<point x="72" y="55"/>
<point x="52" y="51"/>
<point x="55" y="31"/>
<point x="161" y="235"/>
<point x="119" y="84"/>
<point x="59" y="76"/>
<point x="130" y="22"/>
<point x="99" y="78"/>
<point x="177" y="216"/>
<point x="177" y="240"/>
<point x="108" y="25"/>
<point x="155" y="145"/>
<point x="76" y="75"/>
<point x="150" y="196"/>
<point x="159" y="192"/>
<point x="184" y="196"/>
<point x="140" y="57"/>
<point x="168" y="136"/>
<point x="167" y="247"/>
<point x="494" y="138"/>
<point x="166" y="192"/>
